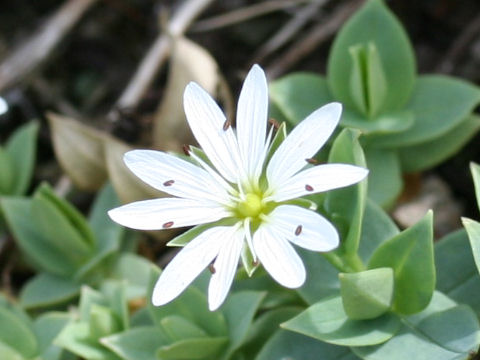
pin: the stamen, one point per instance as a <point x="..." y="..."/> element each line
<point x="298" y="230"/>
<point x="308" y="187"/>
<point x="226" y="125"/>
<point x="212" y="268"/>
<point x="186" y="149"/>
<point x="312" y="161"/>
<point x="274" y="123"/>
<point x="167" y="225"/>
<point x="168" y="183"/>
<point x="255" y="262"/>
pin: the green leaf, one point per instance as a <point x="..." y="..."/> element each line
<point x="327" y="321"/>
<point x="475" y="170"/>
<point x="15" y="333"/>
<point x="135" y="270"/>
<point x="47" y="327"/>
<point x="9" y="354"/>
<point x="6" y="172"/>
<point x="102" y="226"/>
<point x="297" y="95"/>
<point x="373" y="24"/>
<point x="140" y="343"/>
<point x="75" y="337"/>
<point x="429" y="154"/>
<point x="239" y="310"/>
<point x="40" y="252"/>
<point x="410" y="254"/>
<point x="392" y="122"/>
<point x="367" y="294"/>
<point x="192" y="305"/>
<point x="442" y="331"/>
<point x="178" y="328"/>
<point x="368" y="86"/>
<point x="115" y="294"/>
<point x="192" y="349"/>
<point x="322" y="278"/>
<point x="346" y="206"/>
<point x="439" y="103"/>
<point x="385" y="177"/>
<point x="377" y="227"/>
<point x="102" y="322"/>
<point x="21" y="148"/>
<point x="287" y="345"/>
<point x="457" y="275"/>
<point x="44" y="290"/>
<point x="473" y="230"/>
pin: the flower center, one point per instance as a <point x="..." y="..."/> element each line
<point x="251" y="207"/>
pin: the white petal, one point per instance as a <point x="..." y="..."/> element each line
<point x="278" y="257"/>
<point x="207" y="123"/>
<point x="304" y="228"/>
<point x="225" y="267"/>
<point x="302" y="143"/>
<point x="252" y="112"/>
<point x="188" y="264"/>
<point x="174" y="176"/>
<point x="167" y="213"/>
<point x="317" y="179"/>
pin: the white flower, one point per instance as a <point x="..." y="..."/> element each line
<point x="242" y="181"/>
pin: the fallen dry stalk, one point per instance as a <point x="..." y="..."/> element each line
<point x="32" y="53"/>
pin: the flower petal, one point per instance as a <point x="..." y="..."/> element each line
<point x="252" y="112"/>
<point x="167" y="213"/>
<point x="278" y="257"/>
<point x="225" y="267"/>
<point x="207" y="123"/>
<point x="317" y="179"/>
<point x="170" y="174"/>
<point x="188" y="264"/>
<point x="302" y="143"/>
<point x="304" y="228"/>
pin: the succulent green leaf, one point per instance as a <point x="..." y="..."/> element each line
<point x="133" y="269"/>
<point x="377" y="227"/>
<point x="392" y="122"/>
<point x="192" y="349"/>
<point x="457" y="275"/>
<point x="373" y="24"/>
<point x="367" y="294"/>
<point x="410" y="255"/>
<point x="21" y="149"/>
<point x="285" y="345"/>
<point x="346" y="206"/>
<point x="6" y="173"/>
<point x="46" y="327"/>
<point x="429" y="154"/>
<point x="178" y="328"/>
<point x="327" y="321"/>
<point x="473" y="231"/>
<point x="439" y="104"/>
<point x="102" y="322"/>
<point x="45" y="290"/>
<point x="192" y="305"/>
<point x="239" y="310"/>
<point x="38" y="249"/>
<point x="443" y="330"/>
<point x="15" y="333"/>
<point x="299" y="94"/>
<point x="385" y="177"/>
<point x="138" y="343"/>
<point x="75" y="337"/>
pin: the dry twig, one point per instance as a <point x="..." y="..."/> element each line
<point x="312" y="39"/>
<point x="157" y="54"/>
<point x="31" y="54"/>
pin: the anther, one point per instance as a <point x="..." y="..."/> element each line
<point x="308" y="187"/>
<point x="186" y="149"/>
<point x="298" y="230"/>
<point x="168" y="183"/>
<point x="274" y="123"/>
<point x="167" y="225"/>
<point x="226" y="125"/>
<point x="255" y="263"/>
<point x="212" y="269"/>
<point x="312" y="161"/>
